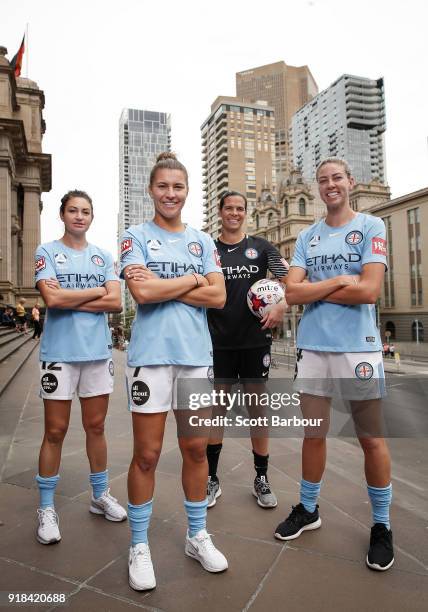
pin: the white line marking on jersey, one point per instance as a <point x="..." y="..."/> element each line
<point x="335" y="234"/>
<point x="176" y="240"/>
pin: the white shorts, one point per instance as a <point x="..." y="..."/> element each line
<point x="361" y="375"/>
<point x="153" y="389"/>
<point x="60" y="381"/>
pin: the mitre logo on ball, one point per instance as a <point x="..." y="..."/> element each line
<point x="264" y="294"/>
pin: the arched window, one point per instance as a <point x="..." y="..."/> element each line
<point x="286" y="208"/>
<point x="270" y="219"/>
<point x="390" y="327"/>
<point x="417" y="331"/>
<point x="257" y="222"/>
<point x="302" y="207"/>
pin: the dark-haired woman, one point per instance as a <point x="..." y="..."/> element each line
<point x="78" y="285"/>
<point x="174" y="274"/>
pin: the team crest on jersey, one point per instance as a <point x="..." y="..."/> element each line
<point x="378" y="246"/>
<point x="210" y="374"/>
<point x="40" y="264"/>
<point x="315" y="240"/>
<point x="251" y="253"/>
<point x="125" y="247"/>
<point x="195" y="248"/>
<point x="97" y="260"/>
<point x="354" y="237"/>
<point x="266" y="360"/>
<point x="154" y="245"/>
<point x="364" y="370"/>
<point x="60" y="258"/>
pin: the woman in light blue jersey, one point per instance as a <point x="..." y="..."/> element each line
<point x="79" y="285"/>
<point x="344" y="258"/>
<point x="174" y="274"/>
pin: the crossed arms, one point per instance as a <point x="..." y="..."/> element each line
<point x="98" y="299"/>
<point x="364" y="288"/>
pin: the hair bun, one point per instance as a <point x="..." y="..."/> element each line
<point x="166" y="155"/>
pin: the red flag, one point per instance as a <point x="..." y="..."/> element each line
<point x="16" y="62"/>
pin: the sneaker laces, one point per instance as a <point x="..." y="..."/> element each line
<point x="262" y="484"/>
<point x="109" y="499"/>
<point x="295" y="513"/>
<point x="204" y="540"/>
<point x="47" y="516"/>
<point x="142" y="557"/>
<point x="211" y="485"/>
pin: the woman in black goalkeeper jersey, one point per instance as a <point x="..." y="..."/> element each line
<point x="241" y="342"/>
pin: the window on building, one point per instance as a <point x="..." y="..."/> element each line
<point x="257" y="222"/>
<point x="388" y="287"/>
<point x="286" y="208"/>
<point x="415" y="257"/>
<point x="302" y="207"/>
<point x="390" y="327"/>
<point x="417" y="331"/>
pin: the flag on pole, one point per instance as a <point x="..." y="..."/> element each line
<point x="16" y="62"/>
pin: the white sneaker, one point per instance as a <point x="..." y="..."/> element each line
<point x="201" y="548"/>
<point x="109" y="506"/>
<point x="48" y="532"/>
<point x="141" y="574"/>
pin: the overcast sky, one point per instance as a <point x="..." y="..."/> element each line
<point x="92" y="60"/>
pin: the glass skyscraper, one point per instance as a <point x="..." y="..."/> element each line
<point x="143" y="135"/>
<point x="345" y="120"/>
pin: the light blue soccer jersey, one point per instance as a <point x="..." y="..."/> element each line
<point x="169" y="332"/>
<point x="325" y="252"/>
<point x="70" y="335"/>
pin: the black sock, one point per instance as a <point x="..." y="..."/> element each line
<point x="213" y="454"/>
<point x="261" y="464"/>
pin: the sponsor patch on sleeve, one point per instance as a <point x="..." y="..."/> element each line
<point x="217" y="258"/>
<point x="40" y="264"/>
<point x="125" y="247"/>
<point x="378" y="246"/>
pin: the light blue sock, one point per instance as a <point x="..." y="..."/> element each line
<point x="196" y="516"/>
<point x="139" y="520"/>
<point x="380" y="499"/>
<point x="47" y="486"/>
<point x="99" y="483"/>
<point x="309" y="492"/>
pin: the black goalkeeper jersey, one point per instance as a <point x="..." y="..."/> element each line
<point x="234" y="326"/>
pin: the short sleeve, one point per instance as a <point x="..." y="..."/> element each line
<point x="131" y="251"/>
<point x="374" y="249"/>
<point x="276" y="263"/>
<point x="43" y="266"/>
<point x="110" y="269"/>
<point x="299" y="256"/>
<point x="210" y="257"/>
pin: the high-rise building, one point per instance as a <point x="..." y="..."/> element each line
<point x="286" y="89"/>
<point x="238" y="152"/>
<point x="143" y="135"/>
<point x="345" y="120"/>
<point x="25" y="173"/>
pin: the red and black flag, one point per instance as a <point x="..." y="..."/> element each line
<point x="16" y="62"/>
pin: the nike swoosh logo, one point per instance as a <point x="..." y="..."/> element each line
<point x="176" y="240"/>
<point x="335" y="234"/>
<point x="264" y="373"/>
<point x="78" y="255"/>
<point x="230" y="250"/>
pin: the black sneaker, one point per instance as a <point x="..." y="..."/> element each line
<point x="299" y="520"/>
<point x="381" y="552"/>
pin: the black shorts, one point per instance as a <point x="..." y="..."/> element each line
<point x="243" y="364"/>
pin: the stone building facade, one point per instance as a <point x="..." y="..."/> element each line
<point x="25" y="172"/>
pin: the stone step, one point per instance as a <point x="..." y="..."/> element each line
<point x="9" y="336"/>
<point x="12" y="358"/>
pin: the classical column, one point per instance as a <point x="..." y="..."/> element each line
<point x="5" y="233"/>
<point x="30" y="236"/>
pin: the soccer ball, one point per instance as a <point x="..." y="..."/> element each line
<point x="264" y="294"/>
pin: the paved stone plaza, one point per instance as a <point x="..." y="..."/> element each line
<point x="323" y="570"/>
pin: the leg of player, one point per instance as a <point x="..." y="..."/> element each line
<point x="305" y="515"/>
<point x="262" y="490"/>
<point x="215" y="444"/>
<point x="57" y="417"/>
<point x="377" y="467"/>
<point x="148" y="437"/>
<point x="94" y="411"/>
<point x="198" y="544"/>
